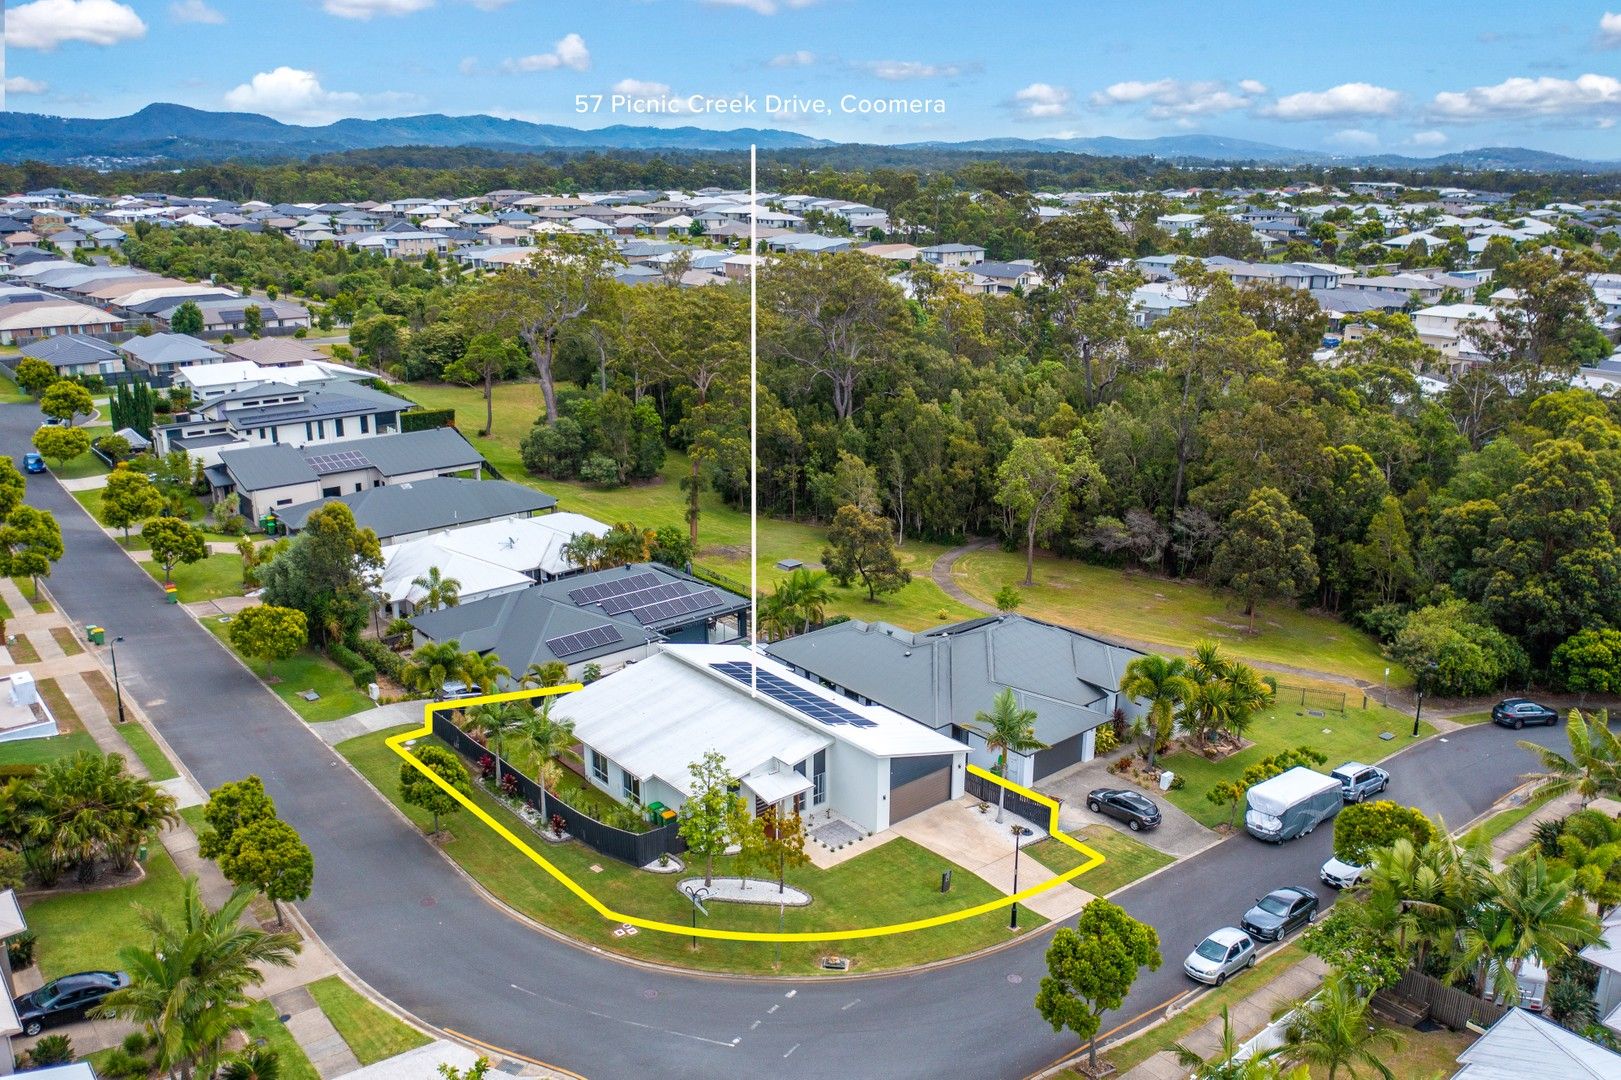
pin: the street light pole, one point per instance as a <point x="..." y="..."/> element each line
<point x="118" y="687"/>
<point x="1418" y="709"/>
<point x="1018" y="834"/>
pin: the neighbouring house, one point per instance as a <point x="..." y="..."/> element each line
<point x="952" y="256"/>
<point x="1606" y="956"/>
<point x="164" y="354"/>
<point x="796" y="746"/>
<point x="234" y="376"/>
<point x="272" y="412"/>
<point x="76" y="354"/>
<point x="272" y="477"/>
<point x="12" y="923"/>
<point x="942" y="678"/>
<point x="23" y="713"/>
<point x="27" y="313"/>
<point x="676" y="604"/>
<point x="273" y="351"/>
<point x="406" y="511"/>
<point x="525" y="627"/>
<point x="228" y="315"/>
<point x="1523" y="1044"/>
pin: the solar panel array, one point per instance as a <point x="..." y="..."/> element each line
<point x="686" y="604"/>
<point x="342" y="461"/>
<point x="591" y="594"/>
<point x="796" y="697"/>
<point x="573" y="644"/>
<point x="618" y="605"/>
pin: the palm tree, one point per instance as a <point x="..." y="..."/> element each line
<point x="1225" y="1063"/>
<point x="548" y="737"/>
<point x="437" y="591"/>
<point x="1594" y="765"/>
<point x="1007" y="728"/>
<point x="1332" y="1032"/>
<point x="809" y="594"/>
<point x="496" y="719"/>
<point x="78" y="809"/>
<point x="1164" y="683"/>
<point x="779" y="616"/>
<point x="255" y="1063"/>
<point x="190" y="987"/>
<point x="1531" y="913"/>
<point x="551" y="673"/>
<point x="484" y="670"/>
<point x="434" y="664"/>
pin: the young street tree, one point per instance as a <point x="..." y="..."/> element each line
<point x="230" y="807"/>
<point x="173" y="542"/>
<point x="1267" y="551"/>
<point x="270" y="856"/>
<point x="862" y="545"/>
<point x="34" y="375"/>
<point x="420" y="791"/>
<point x="66" y="401"/>
<point x="61" y="444"/>
<point x="30" y="541"/>
<point x="128" y="499"/>
<point x="1090" y="969"/>
<point x="269" y="633"/>
<point x="1363" y="828"/>
<point x="706" y="816"/>
<point x="1038" y="484"/>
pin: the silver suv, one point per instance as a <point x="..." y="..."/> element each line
<point x="1225" y="952"/>
<point x="1359" y="781"/>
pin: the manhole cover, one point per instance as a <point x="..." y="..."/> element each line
<point x="1015" y="979"/>
<point x="428" y="901"/>
<point x="650" y="994"/>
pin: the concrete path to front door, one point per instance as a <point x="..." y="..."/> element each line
<point x="958" y="831"/>
<point x="1179" y="834"/>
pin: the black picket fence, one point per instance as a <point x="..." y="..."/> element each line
<point x="637" y="849"/>
<point x="1026" y="807"/>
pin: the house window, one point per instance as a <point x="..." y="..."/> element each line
<point x="337" y="428"/>
<point x="363" y="423"/>
<point x="330" y="493"/>
<point x="599" y="766"/>
<point x="309" y="431"/>
<point x="320" y="429"/>
<point x="819" y="778"/>
<point x="799" y="802"/>
<point x="632" y="787"/>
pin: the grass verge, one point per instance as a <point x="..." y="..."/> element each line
<point x="208" y="578"/>
<point x="892" y="883"/>
<point x="36" y="598"/>
<point x="264" y="1025"/>
<point x="86" y="464"/>
<point x="371" y="1033"/>
<point x="308" y="670"/>
<point x="1500" y="823"/>
<point x="83" y="931"/>
<point x="1125" y="859"/>
<point x="66" y="640"/>
<point x="147" y="749"/>
<point x="22" y="650"/>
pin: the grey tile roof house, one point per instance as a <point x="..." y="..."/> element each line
<point x="163" y="354"/>
<point x="397" y="512"/>
<point x="677" y="605"/>
<point x="76" y="354"/>
<point x="528" y="627"/>
<point x="943" y="677"/>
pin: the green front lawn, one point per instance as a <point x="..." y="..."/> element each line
<point x="896" y="882"/>
<point x="308" y="670"/>
<point x="39" y="751"/>
<point x="1125" y="859"/>
<point x="1351" y="736"/>
<point x="1158" y="610"/>
<point x="83" y="931"/>
<point x="11" y="393"/>
<point x="209" y="578"/>
<point x="723" y="531"/>
<point x="265" y="1026"/>
<point x="147" y="749"/>
<point x="371" y="1033"/>
<point x="77" y="468"/>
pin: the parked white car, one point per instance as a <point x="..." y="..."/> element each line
<point x="1344" y="875"/>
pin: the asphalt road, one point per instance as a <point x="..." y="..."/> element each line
<point x="402" y="919"/>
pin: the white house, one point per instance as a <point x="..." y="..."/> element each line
<point x="797" y="746"/>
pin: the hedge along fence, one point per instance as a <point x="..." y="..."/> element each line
<point x="424" y="419"/>
<point x="637" y="849"/>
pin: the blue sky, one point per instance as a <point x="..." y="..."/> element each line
<point x="1378" y="76"/>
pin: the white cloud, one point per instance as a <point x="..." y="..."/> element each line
<point x="797" y="58"/>
<point x="1354" y="139"/>
<point x="1609" y="30"/>
<point x="1042" y="101"/>
<point x="365" y="9"/>
<point x="901" y="70"/>
<point x="19" y="84"/>
<point x="641" y="88"/>
<point x="569" y="52"/>
<point x="45" y="24"/>
<point x="763" y="7"/>
<point x="1335" y="103"/>
<point x="468" y="65"/>
<point x="1174" y="99"/>
<point x="489" y="5"/>
<point x="1427" y="138"/>
<point x="297" y="97"/>
<point x="194" y="11"/>
<point x="1522" y="97"/>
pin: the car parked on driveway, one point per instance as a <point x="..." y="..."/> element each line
<point x="1516" y="712"/>
<point x="1279" y="912"/>
<point x="64" y="1000"/>
<point x="1359" y="781"/>
<point x="1222" y="954"/>
<point x="1136" y="811"/>
<point x="1343" y="875"/>
<point x="33" y="463"/>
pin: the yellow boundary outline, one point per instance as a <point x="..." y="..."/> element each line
<point x="397" y="742"/>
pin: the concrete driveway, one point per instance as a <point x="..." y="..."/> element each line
<point x="1178" y="835"/>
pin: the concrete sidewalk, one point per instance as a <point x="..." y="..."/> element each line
<point x="1249" y="1016"/>
<point x="381" y="718"/>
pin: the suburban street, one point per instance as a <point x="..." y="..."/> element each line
<point x="404" y="920"/>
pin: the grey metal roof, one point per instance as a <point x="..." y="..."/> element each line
<point x="436" y="503"/>
<point x="67" y="350"/>
<point x="256" y="468"/>
<point x="169" y="349"/>
<point x="516" y="626"/>
<point x="330" y="401"/>
<point x="946" y="675"/>
<point x="722" y="602"/>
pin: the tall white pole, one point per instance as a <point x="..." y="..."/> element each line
<point x="754" y="430"/>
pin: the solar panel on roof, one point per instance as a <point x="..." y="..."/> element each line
<point x="584" y="641"/>
<point x="591" y="594"/>
<point x="795" y="697"/>
<point x="616" y="605"/>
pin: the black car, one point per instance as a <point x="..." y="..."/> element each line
<point x="1279" y="912"/>
<point x="1516" y="712"/>
<point x="64" y="1000"/>
<point x="1128" y="806"/>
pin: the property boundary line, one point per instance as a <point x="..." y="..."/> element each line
<point x="397" y="743"/>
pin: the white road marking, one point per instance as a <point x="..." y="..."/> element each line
<point x="791" y="1049"/>
<point x="773" y="1008"/>
<point x="849" y="1006"/>
<point x="754" y="1025"/>
<point x="638" y="1024"/>
<point x="790" y="993"/>
<point x="524" y="989"/>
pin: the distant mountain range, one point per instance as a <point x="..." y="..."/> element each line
<point x="179" y="133"/>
